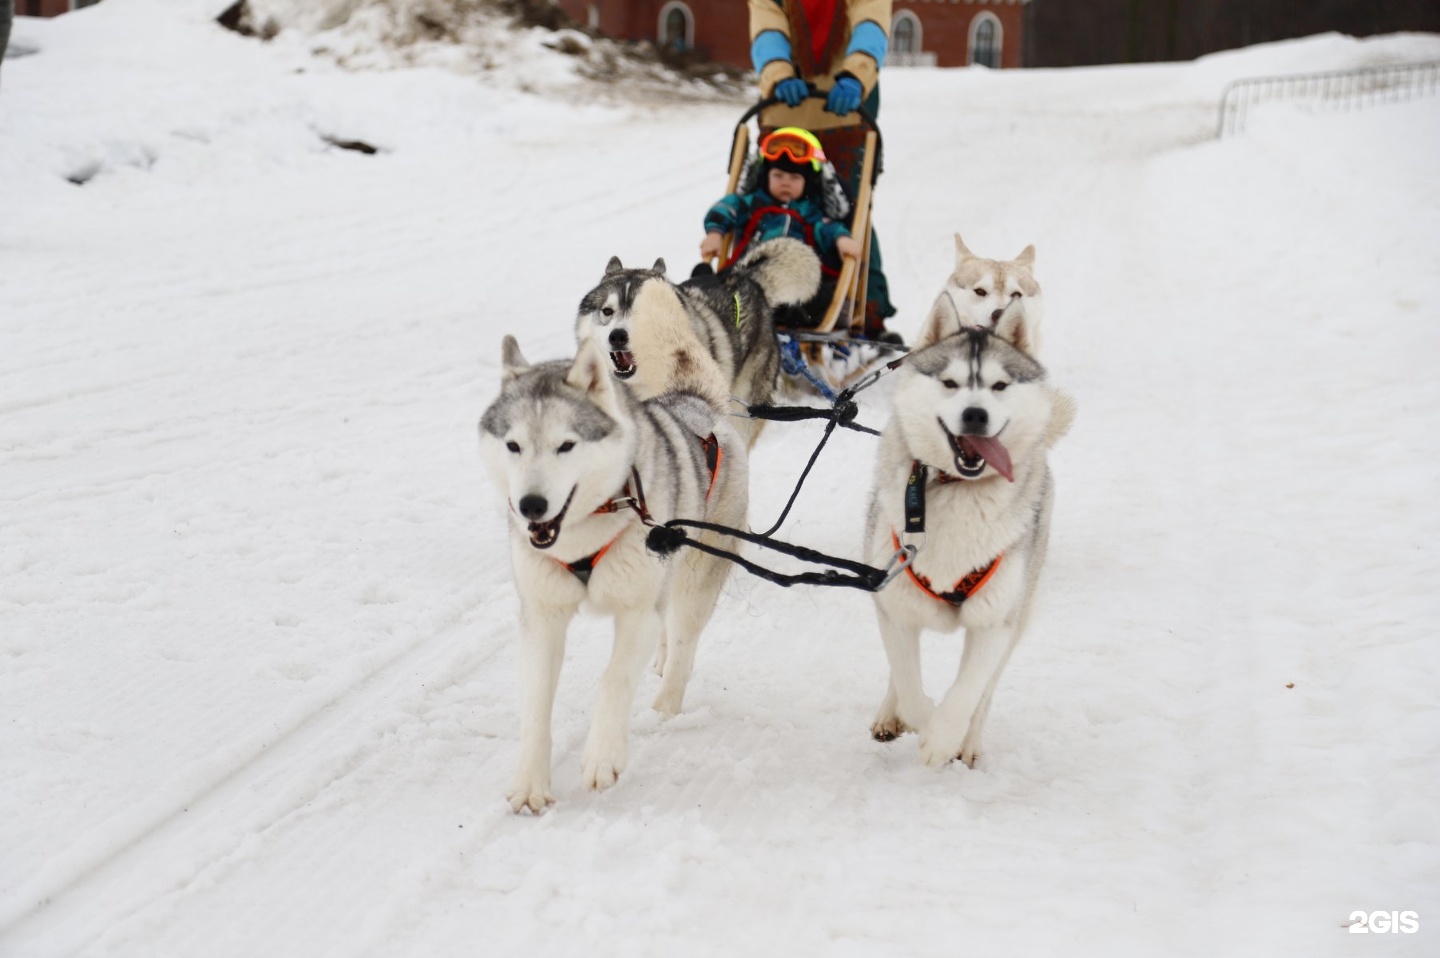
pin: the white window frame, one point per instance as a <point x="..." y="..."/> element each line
<point x="665" y="12"/>
<point x="983" y="17"/>
<point x="903" y="15"/>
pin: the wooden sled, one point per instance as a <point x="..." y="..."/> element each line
<point x="834" y="353"/>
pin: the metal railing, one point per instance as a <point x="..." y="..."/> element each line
<point x="910" y="59"/>
<point x="1345" y="89"/>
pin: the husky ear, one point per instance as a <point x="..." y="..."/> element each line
<point x="590" y="372"/>
<point x="614" y="266"/>
<point x="1013" y="326"/>
<point x="943" y="321"/>
<point x="962" y="252"/>
<point x="511" y="359"/>
<point x="1026" y="257"/>
<point x="659" y="268"/>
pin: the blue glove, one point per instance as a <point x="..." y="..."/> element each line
<point x="793" y="91"/>
<point x="844" y="96"/>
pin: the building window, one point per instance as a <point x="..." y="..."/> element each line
<point x="677" y="27"/>
<point x="592" y="16"/>
<point x="985" y="40"/>
<point x="905" y="33"/>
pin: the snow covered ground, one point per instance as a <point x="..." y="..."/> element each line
<point x="257" y="633"/>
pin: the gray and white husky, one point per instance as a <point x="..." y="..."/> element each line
<point x="731" y="313"/>
<point x="961" y="473"/>
<point x="584" y="463"/>
<point x="980" y="290"/>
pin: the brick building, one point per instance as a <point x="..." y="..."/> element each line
<point x="957" y="33"/>
<point x="946" y="33"/>
<point x="49" y="8"/>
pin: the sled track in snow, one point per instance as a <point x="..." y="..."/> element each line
<point x="178" y="821"/>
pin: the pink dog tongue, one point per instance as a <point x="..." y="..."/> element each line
<point x="994" y="453"/>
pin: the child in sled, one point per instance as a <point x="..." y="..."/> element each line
<point x="790" y="197"/>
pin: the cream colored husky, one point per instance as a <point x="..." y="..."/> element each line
<point x="980" y="289"/>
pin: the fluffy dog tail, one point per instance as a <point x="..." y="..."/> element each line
<point x="1062" y="414"/>
<point x="669" y="356"/>
<point x="786" y="270"/>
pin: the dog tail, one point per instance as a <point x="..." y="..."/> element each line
<point x="786" y="270"/>
<point x="1062" y="414"/>
<point x="669" y="356"/>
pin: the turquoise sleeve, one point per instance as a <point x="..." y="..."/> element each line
<point x="768" y="46"/>
<point x="869" y="39"/>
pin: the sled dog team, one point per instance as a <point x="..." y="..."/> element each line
<point x="637" y="430"/>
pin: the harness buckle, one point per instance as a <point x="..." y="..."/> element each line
<point x="899" y="562"/>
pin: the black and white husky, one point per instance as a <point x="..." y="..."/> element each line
<point x="961" y="473"/>
<point x="731" y="313"/>
<point x="584" y="463"/>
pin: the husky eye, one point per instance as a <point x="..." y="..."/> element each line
<point x="607" y="312"/>
<point x="981" y="292"/>
<point x="999" y="387"/>
<point x="1015" y="295"/>
<point x="513" y="446"/>
<point x="566" y="446"/>
<point x="949" y="384"/>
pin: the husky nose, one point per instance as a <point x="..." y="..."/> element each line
<point x="972" y="421"/>
<point x="533" y="507"/>
<point x="619" y="339"/>
<point x="995" y="316"/>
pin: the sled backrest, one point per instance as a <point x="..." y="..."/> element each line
<point x="738" y="151"/>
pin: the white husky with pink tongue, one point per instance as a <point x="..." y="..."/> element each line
<point x="963" y="488"/>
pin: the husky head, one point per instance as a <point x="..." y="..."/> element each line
<point x="607" y="310"/>
<point x="975" y="403"/>
<point x="557" y="441"/>
<point x="981" y="289"/>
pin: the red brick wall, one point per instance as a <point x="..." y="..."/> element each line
<point x="722" y="31"/>
<point x="41" y="8"/>
<point x="945" y="29"/>
<point x="721" y="27"/>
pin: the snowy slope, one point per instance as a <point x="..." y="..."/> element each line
<point x="257" y="633"/>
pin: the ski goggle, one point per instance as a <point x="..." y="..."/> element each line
<point x="799" y="145"/>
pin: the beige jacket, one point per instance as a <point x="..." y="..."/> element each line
<point x="771" y="15"/>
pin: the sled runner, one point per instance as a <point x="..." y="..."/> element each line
<point x="828" y="348"/>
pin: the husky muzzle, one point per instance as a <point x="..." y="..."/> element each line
<point x="543" y="534"/>
<point x="972" y="452"/>
<point x="620" y="355"/>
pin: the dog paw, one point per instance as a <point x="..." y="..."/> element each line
<point x="889" y="729"/>
<point x="888" y="725"/>
<point x="969" y="750"/>
<point x="938" y="746"/>
<point x="603" y="764"/>
<point x="668" y="701"/>
<point x="601" y="775"/>
<point x="533" y="797"/>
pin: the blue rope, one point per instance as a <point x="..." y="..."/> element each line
<point x="794" y="364"/>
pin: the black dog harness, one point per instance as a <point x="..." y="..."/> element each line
<point x="972" y="581"/>
<point x="632" y="496"/>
